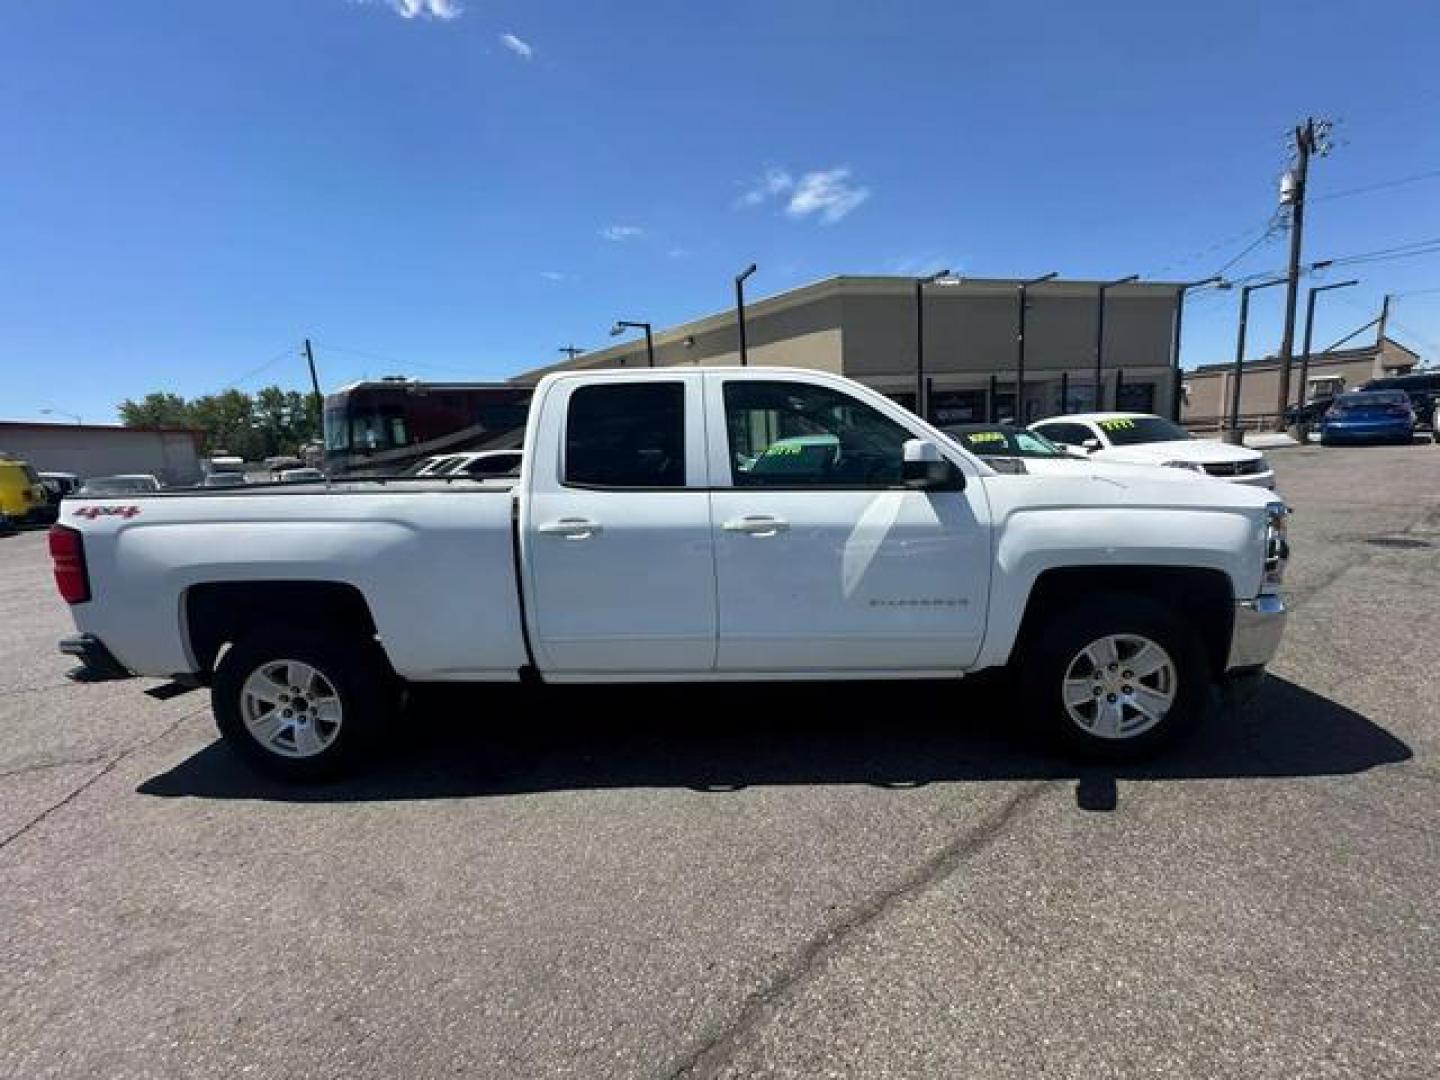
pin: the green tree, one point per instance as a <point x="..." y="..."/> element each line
<point x="158" y="409"/>
<point x="228" y="420"/>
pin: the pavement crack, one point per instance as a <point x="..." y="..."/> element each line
<point x="42" y="766"/>
<point x="817" y="952"/>
<point x="99" y="774"/>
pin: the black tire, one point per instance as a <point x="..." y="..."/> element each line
<point x="355" y="670"/>
<point x="1086" y="619"/>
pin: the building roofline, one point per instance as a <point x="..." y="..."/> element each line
<point x="1356" y="353"/>
<point x="824" y="288"/>
<point x="41" y="425"/>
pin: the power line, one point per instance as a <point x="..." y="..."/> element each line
<point x="281" y="355"/>
<point x="1381" y="186"/>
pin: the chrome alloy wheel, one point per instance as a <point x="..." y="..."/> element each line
<point x="291" y="708"/>
<point x="1119" y="686"/>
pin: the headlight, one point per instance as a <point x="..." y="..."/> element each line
<point x="1193" y="466"/>
<point x="1277" y="543"/>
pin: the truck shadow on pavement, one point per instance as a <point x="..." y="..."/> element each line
<point x="718" y="739"/>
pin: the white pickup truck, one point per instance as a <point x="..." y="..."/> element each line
<point x="684" y="524"/>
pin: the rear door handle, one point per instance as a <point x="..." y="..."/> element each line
<point x="757" y="525"/>
<point x="570" y="528"/>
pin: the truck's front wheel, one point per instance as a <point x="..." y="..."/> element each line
<point x="1114" y="677"/>
<point x="299" y="704"/>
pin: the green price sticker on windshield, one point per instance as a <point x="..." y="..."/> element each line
<point x="985" y="437"/>
<point x="1118" y="424"/>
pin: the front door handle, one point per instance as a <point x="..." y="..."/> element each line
<point x="757" y="525"/>
<point x="570" y="528"/>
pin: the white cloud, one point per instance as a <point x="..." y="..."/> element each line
<point x="519" y="48"/>
<point x="618" y="234"/>
<point x="923" y="265"/>
<point x="827" y="193"/>
<point x="774" y="182"/>
<point x="552" y="275"/>
<point x="444" y="10"/>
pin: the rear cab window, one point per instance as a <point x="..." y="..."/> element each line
<point x="626" y="435"/>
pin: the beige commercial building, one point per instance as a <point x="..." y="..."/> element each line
<point x="171" y="455"/>
<point x="865" y="327"/>
<point x="1208" y="388"/>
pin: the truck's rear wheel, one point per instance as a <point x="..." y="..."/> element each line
<point x="1115" y="677"/>
<point x="301" y="704"/>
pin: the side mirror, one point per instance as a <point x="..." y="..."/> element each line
<point x="1091" y="445"/>
<point x="924" y="467"/>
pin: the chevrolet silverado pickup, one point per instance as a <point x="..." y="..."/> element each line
<point x="694" y="524"/>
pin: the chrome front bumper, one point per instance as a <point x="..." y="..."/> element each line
<point x="1255" y="637"/>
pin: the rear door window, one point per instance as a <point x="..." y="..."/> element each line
<point x="626" y="435"/>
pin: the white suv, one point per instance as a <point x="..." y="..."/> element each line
<point x="1146" y="439"/>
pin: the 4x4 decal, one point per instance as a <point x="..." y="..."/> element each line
<point x="92" y="512"/>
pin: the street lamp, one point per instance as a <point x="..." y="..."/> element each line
<point x="740" y="310"/>
<point x="621" y="325"/>
<point x="1233" y="434"/>
<point x="1100" y="338"/>
<point x="1176" y="383"/>
<point x="921" y="406"/>
<point x="1020" y="292"/>
<point x="1309" y="330"/>
<point x="61" y="412"/>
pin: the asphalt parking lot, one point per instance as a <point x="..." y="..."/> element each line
<point x="803" y="881"/>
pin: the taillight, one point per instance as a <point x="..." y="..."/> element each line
<point x="67" y="552"/>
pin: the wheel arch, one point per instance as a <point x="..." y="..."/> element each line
<point x="1205" y="598"/>
<point x="218" y="613"/>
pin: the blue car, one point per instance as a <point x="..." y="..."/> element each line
<point x="1369" y="416"/>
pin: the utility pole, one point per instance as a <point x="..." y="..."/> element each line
<point x="1384" y="318"/>
<point x="1311" y="137"/>
<point x="319" y="401"/>
<point x="571" y="351"/>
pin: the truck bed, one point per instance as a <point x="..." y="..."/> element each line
<point x="434" y="562"/>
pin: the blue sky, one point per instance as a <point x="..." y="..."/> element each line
<point x="458" y="188"/>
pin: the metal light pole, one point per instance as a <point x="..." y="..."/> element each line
<point x="61" y="412"/>
<point x="1302" y="389"/>
<point x="1020" y="292"/>
<point x="621" y="325"/>
<point x="1175" y="379"/>
<point x="740" y="310"/>
<point x="921" y="405"/>
<point x="1100" y="339"/>
<point x="1232" y="433"/>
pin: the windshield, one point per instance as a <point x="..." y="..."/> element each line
<point x="999" y="440"/>
<point x="1378" y="400"/>
<point x="1131" y="430"/>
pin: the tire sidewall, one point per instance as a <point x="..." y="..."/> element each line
<point x="353" y="668"/>
<point x="1045" y="664"/>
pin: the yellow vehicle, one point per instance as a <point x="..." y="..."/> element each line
<point x="22" y="496"/>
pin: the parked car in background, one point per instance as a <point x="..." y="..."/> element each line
<point x="300" y="476"/>
<point x="1369" y="416"/>
<point x="126" y="484"/>
<point x="1008" y="448"/>
<point x="223" y="480"/>
<point x="479" y="463"/>
<point x="1423" y="389"/>
<point x="1146" y="439"/>
<point x="7" y="525"/>
<point x="22" y="495"/>
<point x="1308" y="414"/>
<point x="57" y="485"/>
